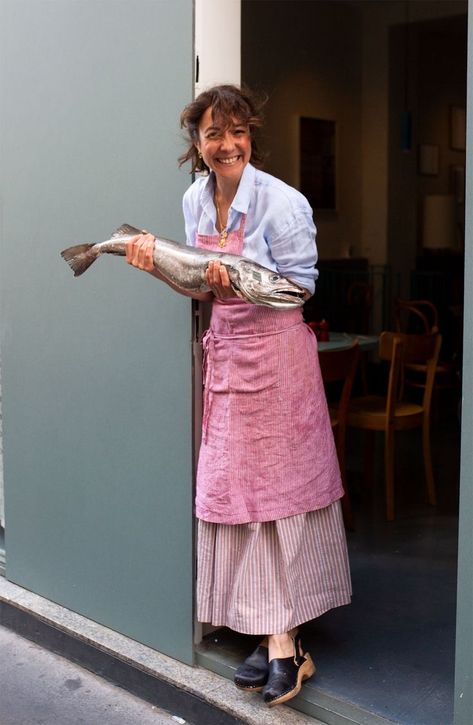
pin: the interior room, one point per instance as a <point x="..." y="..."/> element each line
<point x="366" y="115"/>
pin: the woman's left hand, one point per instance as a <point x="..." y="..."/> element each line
<point x="218" y="280"/>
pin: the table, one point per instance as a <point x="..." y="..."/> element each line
<point x="342" y="340"/>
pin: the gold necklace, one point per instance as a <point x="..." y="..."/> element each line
<point x="223" y="229"/>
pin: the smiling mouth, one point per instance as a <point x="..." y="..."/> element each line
<point x="228" y="162"/>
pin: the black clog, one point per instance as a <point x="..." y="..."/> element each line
<point x="286" y="675"/>
<point x="252" y="674"/>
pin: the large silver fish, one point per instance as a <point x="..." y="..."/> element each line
<point x="186" y="266"/>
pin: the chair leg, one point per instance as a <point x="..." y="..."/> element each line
<point x="429" y="473"/>
<point x="363" y="375"/>
<point x="389" y="472"/>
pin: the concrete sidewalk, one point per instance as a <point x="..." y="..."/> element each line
<point x="195" y="694"/>
<point x="41" y="688"/>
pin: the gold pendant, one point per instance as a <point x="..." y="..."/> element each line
<point x="223" y="238"/>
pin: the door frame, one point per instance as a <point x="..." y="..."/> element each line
<point x="464" y="634"/>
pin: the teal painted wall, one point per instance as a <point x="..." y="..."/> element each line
<point x="97" y="397"/>
<point x="464" y="648"/>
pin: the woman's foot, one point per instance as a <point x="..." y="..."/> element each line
<point x="252" y="674"/>
<point x="286" y="673"/>
<point x="281" y="645"/>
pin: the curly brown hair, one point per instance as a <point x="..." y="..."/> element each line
<point x="227" y="102"/>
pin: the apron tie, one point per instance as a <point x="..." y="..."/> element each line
<point x="207" y="373"/>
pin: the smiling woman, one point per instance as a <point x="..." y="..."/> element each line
<point x="271" y="550"/>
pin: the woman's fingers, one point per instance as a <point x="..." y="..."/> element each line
<point x="218" y="279"/>
<point x="213" y="275"/>
<point x="224" y="278"/>
<point x="130" y="248"/>
<point x="139" y="251"/>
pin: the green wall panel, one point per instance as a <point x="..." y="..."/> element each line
<point x="97" y="398"/>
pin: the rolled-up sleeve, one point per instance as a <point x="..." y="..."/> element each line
<point x="294" y="248"/>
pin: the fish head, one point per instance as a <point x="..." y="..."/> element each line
<point x="263" y="286"/>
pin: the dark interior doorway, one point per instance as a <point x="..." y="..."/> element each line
<point x="388" y="74"/>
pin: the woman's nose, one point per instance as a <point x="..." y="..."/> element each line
<point x="227" y="140"/>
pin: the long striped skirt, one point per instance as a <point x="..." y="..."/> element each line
<point x="266" y="578"/>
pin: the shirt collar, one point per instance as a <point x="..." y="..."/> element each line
<point x="242" y="198"/>
<point x="241" y="202"/>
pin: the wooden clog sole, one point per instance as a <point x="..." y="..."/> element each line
<point x="305" y="671"/>
<point x="250" y="689"/>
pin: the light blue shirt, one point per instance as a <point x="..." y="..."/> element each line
<point x="279" y="231"/>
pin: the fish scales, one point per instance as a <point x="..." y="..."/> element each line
<point x="185" y="267"/>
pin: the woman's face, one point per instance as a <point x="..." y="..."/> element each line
<point x="226" y="151"/>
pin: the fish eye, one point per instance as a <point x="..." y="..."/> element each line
<point x="274" y="278"/>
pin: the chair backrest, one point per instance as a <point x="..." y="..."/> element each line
<point x="423" y="350"/>
<point x="340" y="365"/>
<point x="415" y="316"/>
<point x="390" y="350"/>
<point x="403" y="349"/>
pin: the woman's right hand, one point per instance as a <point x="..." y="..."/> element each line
<point x="218" y="280"/>
<point x="139" y="251"/>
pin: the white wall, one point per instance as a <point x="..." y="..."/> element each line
<point x="217" y="42"/>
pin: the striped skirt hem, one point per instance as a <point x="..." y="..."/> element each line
<point x="267" y="578"/>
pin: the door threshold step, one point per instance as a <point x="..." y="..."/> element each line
<point x="196" y="694"/>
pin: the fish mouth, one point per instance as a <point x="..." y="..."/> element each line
<point x="282" y="299"/>
<point x="263" y="287"/>
<point x="290" y="293"/>
<point x="288" y="299"/>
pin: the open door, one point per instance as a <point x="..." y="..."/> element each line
<point x="96" y="372"/>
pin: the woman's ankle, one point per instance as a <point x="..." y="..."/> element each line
<point x="280" y="645"/>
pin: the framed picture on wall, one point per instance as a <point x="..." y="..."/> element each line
<point x="317" y="162"/>
<point x="457" y="128"/>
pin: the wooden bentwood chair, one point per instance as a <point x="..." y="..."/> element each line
<point x="422" y="316"/>
<point x="392" y="413"/>
<point x="415" y="316"/>
<point x="339" y="366"/>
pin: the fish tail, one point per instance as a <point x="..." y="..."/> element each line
<point x="80" y="257"/>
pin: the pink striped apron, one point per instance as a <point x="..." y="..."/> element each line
<point x="267" y="449"/>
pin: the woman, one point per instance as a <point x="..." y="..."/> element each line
<point x="271" y="543"/>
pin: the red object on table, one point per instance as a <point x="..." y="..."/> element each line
<point x="324" y="331"/>
<point x="315" y="327"/>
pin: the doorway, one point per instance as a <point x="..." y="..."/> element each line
<point x="370" y="68"/>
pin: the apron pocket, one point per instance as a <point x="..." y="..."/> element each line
<point x="255" y="364"/>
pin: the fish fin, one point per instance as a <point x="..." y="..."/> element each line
<point x="125" y="230"/>
<point x="78" y="257"/>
